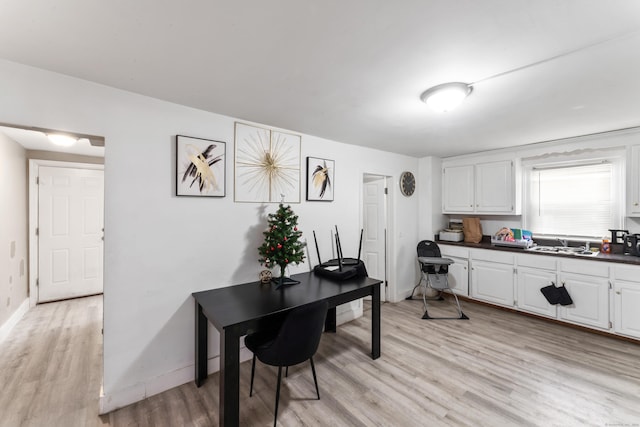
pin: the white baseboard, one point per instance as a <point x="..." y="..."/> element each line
<point x="348" y="312"/>
<point x="157" y="385"/>
<point x="140" y="391"/>
<point x="406" y="294"/>
<point x="12" y="321"/>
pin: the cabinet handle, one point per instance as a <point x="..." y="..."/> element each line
<point x="636" y="204"/>
<point x="618" y="292"/>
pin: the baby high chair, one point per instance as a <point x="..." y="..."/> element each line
<point x="434" y="274"/>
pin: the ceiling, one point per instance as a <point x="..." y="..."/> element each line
<point x="36" y="140"/>
<point x="353" y="71"/>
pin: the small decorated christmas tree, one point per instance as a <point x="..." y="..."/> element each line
<point x="282" y="245"/>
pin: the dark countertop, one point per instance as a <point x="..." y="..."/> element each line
<point x="616" y="256"/>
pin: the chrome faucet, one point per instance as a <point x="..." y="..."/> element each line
<point x="563" y="242"/>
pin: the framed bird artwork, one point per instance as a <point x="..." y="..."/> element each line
<point x="320" y="182"/>
<point x="200" y="167"/>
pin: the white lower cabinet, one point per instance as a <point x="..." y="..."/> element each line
<point x="605" y="296"/>
<point x="459" y="270"/>
<point x="626" y="301"/>
<point x="492" y="282"/>
<point x="530" y="281"/>
<point x="533" y="273"/>
<point x="590" y="297"/>
<point x="459" y="276"/>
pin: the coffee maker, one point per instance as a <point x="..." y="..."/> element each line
<point x="631" y="244"/>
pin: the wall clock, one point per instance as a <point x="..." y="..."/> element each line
<point x="407" y="183"/>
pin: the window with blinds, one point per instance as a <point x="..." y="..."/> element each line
<point x="581" y="200"/>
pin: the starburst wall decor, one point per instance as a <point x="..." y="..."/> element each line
<point x="267" y="165"/>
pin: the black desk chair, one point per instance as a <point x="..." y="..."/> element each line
<point x="297" y="340"/>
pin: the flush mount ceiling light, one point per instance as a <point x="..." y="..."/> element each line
<point x="62" y="139"/>
<point x="447" y="96"/>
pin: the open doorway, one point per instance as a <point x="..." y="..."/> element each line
<point x="77" y="168"/>
<point x="71" y="210"/>
<point x="375" y="224"/>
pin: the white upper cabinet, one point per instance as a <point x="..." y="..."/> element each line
<point x="494" y="187"/>
<point x="487" y="188"/>
<point x="633" y="182"/>
<point x="458" y="189"/>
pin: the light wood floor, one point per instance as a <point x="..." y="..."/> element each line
<point x="51" y="366"/>
<point x="497" y="369"/>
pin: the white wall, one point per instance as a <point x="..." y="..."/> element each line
<point x="430" y="218"/>
<point x="160" y="248"/>
<point x="13" y="231"/>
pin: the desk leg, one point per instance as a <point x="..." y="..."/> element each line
<point x="330" y="323"/>
<point x="229" y="378"/>
<point x="375" y="322"/>
<point x="201" y="352"/>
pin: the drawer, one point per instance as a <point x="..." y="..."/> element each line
<point x="493" y="256"/>
<point x="628" y="273"/>
<point x="542" y="262"/>
<point x="590" y="268"/>
<point x="454" y="251"/>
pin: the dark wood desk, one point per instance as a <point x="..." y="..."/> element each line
<point x="237" y="310"/>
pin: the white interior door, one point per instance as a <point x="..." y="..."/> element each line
<point x="374" y="225"/>
<point x="70" y="232"/>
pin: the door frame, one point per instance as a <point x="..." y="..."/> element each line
<point x="390" y="276"/>
<point x="34" y="173"/>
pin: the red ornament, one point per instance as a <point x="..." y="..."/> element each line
<point x="272" y="248"/>
<point x="286" y="261"/>
<point x="285" y="238"/>
<point x="279" y="246"/>
<point x="295" y="228"/>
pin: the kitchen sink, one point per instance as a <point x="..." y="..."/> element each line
<point x="563" y="250"/>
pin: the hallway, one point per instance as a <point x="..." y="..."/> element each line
<point x="65" y="338"/>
